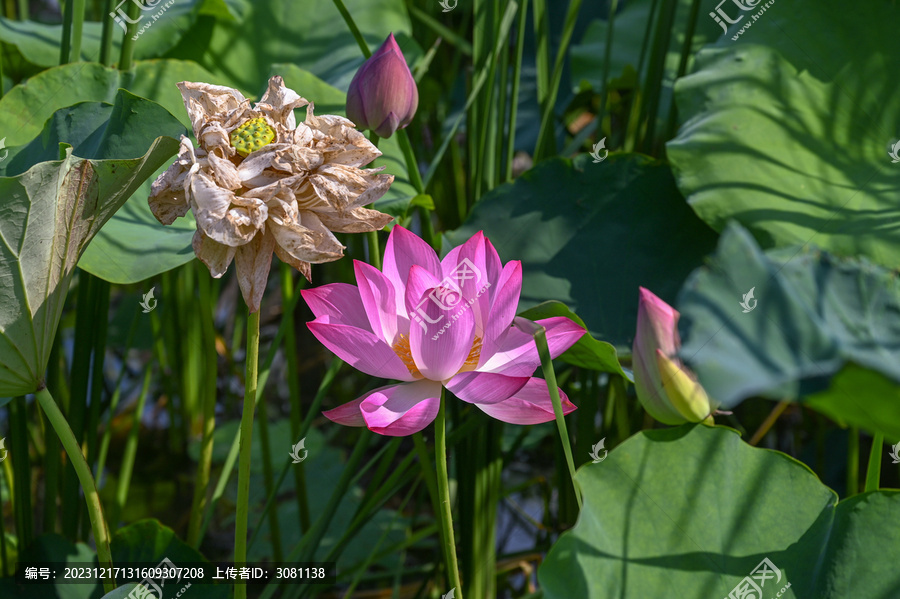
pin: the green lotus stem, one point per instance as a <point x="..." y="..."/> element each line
<point x="540" y="339"/>
<point x="95" y="508"/>
<point x="106" y="37"/>
<point x="324" y="386"/>
<point x="77" y="28"/>
<point x="243" y="495"/>
<point x="113" y="404"/>
<point x="23" y="10"/>
<point x="51" y="445"/>
<point x="268" y="476"/>
<point x="18" y="417"/>
<point x="66" y="42"/>
<point x="293" y="376"/>
<point x="604" y="92"/>
<point x="130" y="453"/>
<point x="127" y="52"/>
<point x="448" y="541"/>
<point x="514" y="93"/>
<point x="204" y="463"/>
<point x="873" y="471"/>
<point x="357" y="35"/>
<point x="412" y="166"/>
<point x="3" y="555"/>
<point x="853" y="462"/>
<point x="546" y="145"/>
<point x="232" y="457"/>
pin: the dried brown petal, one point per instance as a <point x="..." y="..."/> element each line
<point x="253" y="261"/>
<point x="214" y="255"/>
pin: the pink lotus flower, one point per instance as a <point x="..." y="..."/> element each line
<point x="431" y="323"/>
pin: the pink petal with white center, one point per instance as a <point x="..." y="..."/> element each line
<point x="504" y="303"/>
<point x="485" y="387"/>
<point x="361" y="349"/>
<point x="347" y="414"/>
<point x="379" y="299"/>
<point x="531" y="405"/>
<point x="403" y="250"/>
<point x="442" y="327"/>
<point x="516" y="354"/>
<point x="339" y="303"/>
<point x="401" y="410"/>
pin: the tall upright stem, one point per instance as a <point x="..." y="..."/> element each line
<point x="540" y="339"/>
<point x="243" y="498"/>
<point x="73" y="450"/>
<point x="446" y="515"/>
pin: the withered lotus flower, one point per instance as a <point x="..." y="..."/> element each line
<point x="261" y="182"/>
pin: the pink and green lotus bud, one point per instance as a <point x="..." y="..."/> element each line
<point x="383" y="96"/>
<point x="666" y="388"/>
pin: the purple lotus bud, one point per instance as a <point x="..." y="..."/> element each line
<point x="383" y="96"/>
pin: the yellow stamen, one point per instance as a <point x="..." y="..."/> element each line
<point x="471" y="362"/>
<point x="401" y="348"/>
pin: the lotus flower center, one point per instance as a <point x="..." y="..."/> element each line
<point x="251" y="136"/>
<point x="401" y="348"/>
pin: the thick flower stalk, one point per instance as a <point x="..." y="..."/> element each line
<point x="667" y="389"/>
<point x="258" y="182"/>
<point x="434" y="323"/>
<point x="383" y="95"/>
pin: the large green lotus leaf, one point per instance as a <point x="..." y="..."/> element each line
<point x="789" y="134"/>
<point x="39" y="43"/>
<point x="53" y="210"/>
<point x="692" y="511"/>
<point x="330" y="100"/>
<point x="310" y="34"/>
<point x="589" y="235"/>
<point x="820" y="327"/>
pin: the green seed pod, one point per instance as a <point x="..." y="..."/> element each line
<point x="251" y="136"/>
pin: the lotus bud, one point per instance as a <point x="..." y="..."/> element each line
<point x="383" y="96"/>
<point x="667" y="389"/>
